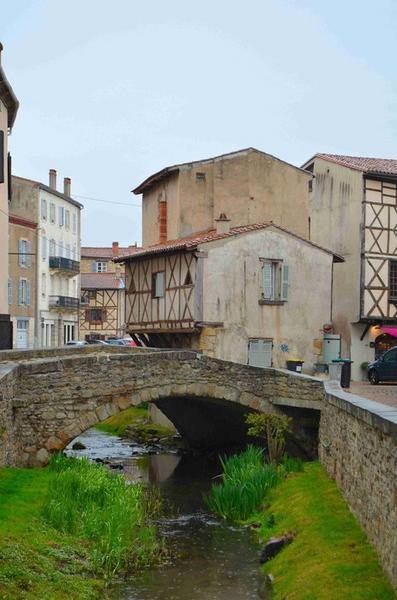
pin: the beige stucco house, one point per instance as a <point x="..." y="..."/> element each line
<point x="256" y="294"/>
<point x="22" y="295"/>
<point x="8" y="110"/>
<point x="353" y="210"/>
<point x="249" y="186"/>
<point x="57" y="216"/>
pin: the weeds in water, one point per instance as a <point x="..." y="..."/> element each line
<point x="86" y="499"/>
<point x="246" y="480"/>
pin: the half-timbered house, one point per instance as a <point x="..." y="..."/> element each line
<point x="242" y="293"/>
<point x="102" y="305"/>
<point x="353" y="210"/>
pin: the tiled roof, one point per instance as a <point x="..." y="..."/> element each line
<point x="383" y="166"/>
<point x="194" y="240"/>
<point x="101" y="281"/>
<point x="100" y="252"/>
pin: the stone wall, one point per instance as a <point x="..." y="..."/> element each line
<point x="358" y="448"/>
<point x="58" y="397"/>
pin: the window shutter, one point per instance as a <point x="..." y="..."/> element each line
<point x="284" y="282"/>
<point x="20" y="299"/>
<point x="20" y="250"/>
<point x="44" y="247"/>
<point x="10" y="291"/>
<point x="2" y="153"/>
<point x="28" y="261"/>
<point x="27" y="292"/>
<point x="268" y="292"/>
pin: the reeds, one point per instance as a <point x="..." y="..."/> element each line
<point x="246" y="480"/>
<point x="86" y="500"/>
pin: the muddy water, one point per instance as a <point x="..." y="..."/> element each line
<point x="211" y="560"/>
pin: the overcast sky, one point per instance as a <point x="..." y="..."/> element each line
<point x="111" y="92"/>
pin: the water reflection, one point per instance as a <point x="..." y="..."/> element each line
<point x="211" y="560"/>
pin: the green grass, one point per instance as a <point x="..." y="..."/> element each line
<point x="36" y="561"/>
<point x="330" y="557"/>
<point x="117" y="424"/>
<point x="246" y="480"/>
<point x="87" y="500"/>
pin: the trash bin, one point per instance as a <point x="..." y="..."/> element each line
<point x="295" y="365"/>
<point x="346" y="371"/>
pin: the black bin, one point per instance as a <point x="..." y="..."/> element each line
<point x="346" y="371"/>
<point x="295" y="365"/>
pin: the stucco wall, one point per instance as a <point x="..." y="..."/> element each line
<point x="249" y="186"/>
<point x="4" y="219"/>
<point x="358" y="448"/>
<point x="335" y="213"/>
<point x="233" y="287"/>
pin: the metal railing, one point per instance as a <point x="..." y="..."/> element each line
<point x="64" y="302"/>
<point x="64" y="264"/>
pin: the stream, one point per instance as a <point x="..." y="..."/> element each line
<point x="211" y="559"/>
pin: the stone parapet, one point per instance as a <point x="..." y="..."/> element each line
<point x="358" y="448"/>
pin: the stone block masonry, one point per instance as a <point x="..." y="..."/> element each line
<point x="358" y="448"/>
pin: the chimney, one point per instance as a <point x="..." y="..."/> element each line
<point x="115" y="248"/>
<point x="67" y="184"/>
<point x="162" y="221"/>
<point x="222" y="224"/>
<point x="53" y="179"/>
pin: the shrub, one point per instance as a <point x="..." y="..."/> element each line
<point x="273" y="428"/>
<point x="87" y="500"/>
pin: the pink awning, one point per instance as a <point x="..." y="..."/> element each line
<point x="390" y="330"/>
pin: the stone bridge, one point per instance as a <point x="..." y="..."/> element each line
<point x="47" y="398"/>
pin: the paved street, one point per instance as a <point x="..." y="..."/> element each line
<point x="385" y="393"/>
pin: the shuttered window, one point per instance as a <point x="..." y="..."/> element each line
<point x="158" y="284"/>
<point x="2" y="155"/>
<point x="275" y="281"/>
<point x="24" y="292"/>
<point x="10" y="291"/>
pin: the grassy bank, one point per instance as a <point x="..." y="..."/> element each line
<point x="330" y="557"/>
<point x="65" y="530"/>
<point x="135" y="418"/>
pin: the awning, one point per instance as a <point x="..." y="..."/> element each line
<point x="390" y="330"/>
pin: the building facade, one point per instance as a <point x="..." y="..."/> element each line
<point x="22" y="280"/>
<point x="102" y="307"/>
<point x="247" y="294"/>
<point x="8" y="110"/>
<point x="58" y="256"/>
<point x="353" y="210"/>
<point x="248" y="185"/>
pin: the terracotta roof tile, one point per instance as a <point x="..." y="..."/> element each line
<point x="101" y="281"/>
<point x="383" y="166"/>
<point x="194" y="240"/>
<point x="105" y="252"/>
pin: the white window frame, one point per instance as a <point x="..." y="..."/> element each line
<point x="158" y="284"/>
<point x="44" y="248"/>
<point x="24" y="253"/>
<point x="24" y="292"/>
<point x="275" y="280"/>
<point x="101" y="266"/>
<point x="61" y="216"/>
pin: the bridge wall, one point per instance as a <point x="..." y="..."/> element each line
<point x="358" y="448"/>
<point x="53" y="400"/>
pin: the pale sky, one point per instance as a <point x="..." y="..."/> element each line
<point x="111" y="92"/>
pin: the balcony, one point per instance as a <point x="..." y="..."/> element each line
<point x="64" y="303"/>
<point x="67" y="266"/>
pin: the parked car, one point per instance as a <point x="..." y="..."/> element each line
<point x="98" y="342"/>
<point x="384" y="368"/>
<point x="76" y="343"/>
<point x="115" y="342"/>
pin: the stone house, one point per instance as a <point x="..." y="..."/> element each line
<point x="247" y="294"/>
<point x="353" y="210"/>
<point x="249" y="186"/>
<point x="8" y="110"/>
<point x="57" y="216"/>
<point x="102" y="305"/>
<point x="22" y="280"/>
